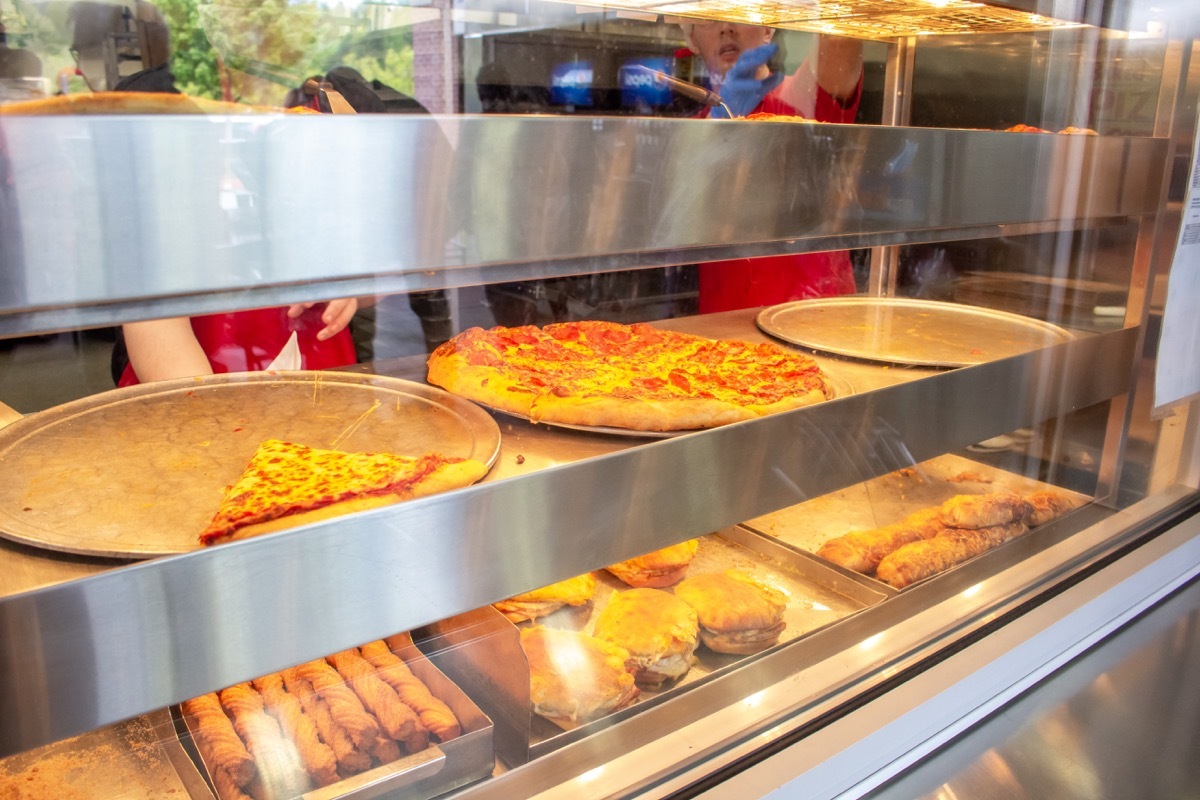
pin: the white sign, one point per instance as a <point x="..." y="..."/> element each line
<point x="1177" y="372"/>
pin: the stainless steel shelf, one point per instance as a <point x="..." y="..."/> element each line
<point x="113" y="226"/>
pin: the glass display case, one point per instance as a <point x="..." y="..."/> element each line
<point x="1008" y="198"/>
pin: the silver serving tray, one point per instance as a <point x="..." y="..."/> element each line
<point x="905" y="331"/>
<point x="433" y="771"/>
<point x="497" y="674"/>
<point x="138" y="472"/>
<point x="890" y="498"/>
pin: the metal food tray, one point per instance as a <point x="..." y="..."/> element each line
<point x="439" y="768"/>
<point x="138" y="472"/>
<point x="898" y="330"/>
<point x="819" y="596"/>
<point x="887" y="499"/>
<point x="138" y="758"/>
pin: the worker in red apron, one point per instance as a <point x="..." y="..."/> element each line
<point x="827" y="87"/>
<point x="240" y="341"/>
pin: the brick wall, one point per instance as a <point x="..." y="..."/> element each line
<point x="435" y="62"/>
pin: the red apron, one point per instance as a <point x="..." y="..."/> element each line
<point x="248" y="341"/>
<point x="749" y="282"/>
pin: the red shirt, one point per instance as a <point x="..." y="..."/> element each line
<point x="768" y="280"/>
<point x="248" y="341"/>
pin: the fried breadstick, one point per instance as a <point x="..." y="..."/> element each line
<point x="418" y="740"/>
<point x="278" y="763"/>
<point x="217" y="740"/>
<point x="862" y="551"/>
<point x="385" y="750"/>
<point x="350" y="760"/>
<point x="226" y="786"/>
<point x="344" y="705"/>
<point x="434" y="714"/>
<point x="920" y="560"/>
<point x="318" y="758"/>
<point x="1048" y="505"/>
<point x="396" y="719"/>
<point x="984" y="510"/>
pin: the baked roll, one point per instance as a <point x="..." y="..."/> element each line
<point x="737" y="613"/>
<point x="862" y="551"/>
<point x="575" y="678"/>
<point x="920" y="560"/>
<point x="984" y="510"/>
<point x="577" y="591"/>
<point x="659" y="630"/>
<point x="1049" y="505"/>
<point x="659" y="569"/>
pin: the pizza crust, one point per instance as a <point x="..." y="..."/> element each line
<point x="486" y="385"/>
<point x="638" y="415"/>
<point x="133" y="103"/>
<point x="657" y="415"/>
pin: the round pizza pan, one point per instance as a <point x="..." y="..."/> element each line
<point x="837" y="383"/>
<point x="897" y="330"/>
<point x="138" y="472"/>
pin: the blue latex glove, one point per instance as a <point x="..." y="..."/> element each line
<point x="742" y="91"/>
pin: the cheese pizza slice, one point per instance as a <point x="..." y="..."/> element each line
<point x="287" y="484"/>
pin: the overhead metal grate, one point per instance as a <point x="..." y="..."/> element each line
<point x="863" y="19"/>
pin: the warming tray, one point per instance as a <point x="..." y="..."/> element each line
<point x="138" y="472"/>
<point x="819" y="596"/>
<point x="889" y="498"/>
<point x="906" y="331"/>
<point x="435" y="770"/>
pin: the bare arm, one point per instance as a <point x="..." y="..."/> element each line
<point x="839" y="65"/>
<point x="165" y="348"/>
<point x="835" y="65"/>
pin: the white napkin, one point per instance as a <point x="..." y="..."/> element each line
<point x="289" y="356"/>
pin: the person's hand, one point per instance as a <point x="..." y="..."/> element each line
<point x="744" y="88"/>
<point x="336" y="316"/>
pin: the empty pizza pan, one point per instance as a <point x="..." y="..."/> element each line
<point x="897" y="330"/>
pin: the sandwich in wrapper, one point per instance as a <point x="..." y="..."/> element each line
<point x="575" y="591"/>
<point x="659" y="630"/>
<point x="575" y="678"/>
<point x="737" y="613"/>
<point x="659" y="569"/>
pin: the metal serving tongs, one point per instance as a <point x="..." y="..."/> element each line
<point x="689" y="90"/>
